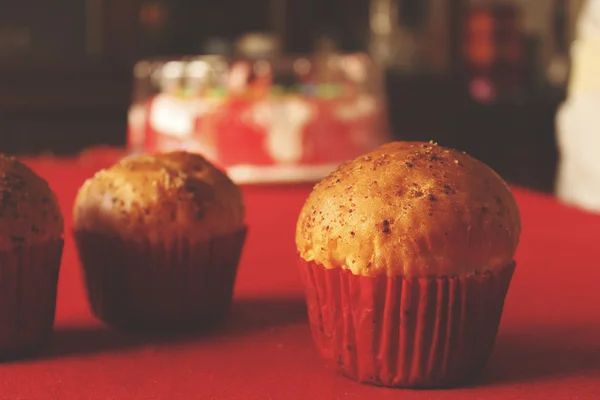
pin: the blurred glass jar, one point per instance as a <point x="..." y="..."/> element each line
<point x="263" y="120"/>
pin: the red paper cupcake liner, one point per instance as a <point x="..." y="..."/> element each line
<point x="145" y="286"/>
<point x="28" y="284"/>
<point x="391" y="331"/>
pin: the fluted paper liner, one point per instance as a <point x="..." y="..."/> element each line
<point x="28" y="284"/>
<point x="138" y="285"/>
<point x="391" y="331"/>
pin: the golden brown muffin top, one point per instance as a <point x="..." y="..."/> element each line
<point x="29" y="210"/>
<point x="410" y="209"/>
<point x="160" y="197"/>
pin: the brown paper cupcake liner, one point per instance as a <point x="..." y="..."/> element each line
<point x="138" y="285"/>
<point x="390" y="331"/>
<point x="28" y="285"/>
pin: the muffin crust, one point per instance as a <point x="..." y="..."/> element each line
<point x="160" y="197"/>
<point x="410" y="209"/>
<point x="29" y="209"/>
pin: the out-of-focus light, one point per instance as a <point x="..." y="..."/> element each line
<point x="197" y="69"/>
<point x="355" y="68"/>
<point x="302" y="66"/>
<point x="238" y="76"/>
<point x="482" y="90"/>
<point x="262" y="68"/>
<point x="173" y="70"/>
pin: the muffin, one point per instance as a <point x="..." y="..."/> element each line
<point x="406" y="254"/>
<point x="31" y="244"/>
<point x="159" y="238"/>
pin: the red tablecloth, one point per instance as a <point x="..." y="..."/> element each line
<point x="548" y="346"/>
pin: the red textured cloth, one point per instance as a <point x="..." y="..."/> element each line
<point x="548" y="346"/>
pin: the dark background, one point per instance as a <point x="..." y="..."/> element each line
<point x="66" y="76"/>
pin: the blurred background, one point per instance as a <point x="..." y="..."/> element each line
<point x="486" y="77"/>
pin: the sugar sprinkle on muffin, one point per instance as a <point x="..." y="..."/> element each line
<point x="160" y="237"/>
<point x="160" y="197"/>
<point x="406" y="254"/>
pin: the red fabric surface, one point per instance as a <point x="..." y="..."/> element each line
<point x="548" y="345"/>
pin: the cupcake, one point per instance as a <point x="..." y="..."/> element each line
<point x="159" y="238"/>
<point x="31" y="244"/>
<point x="406" y="254"/>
